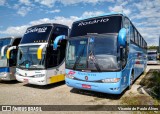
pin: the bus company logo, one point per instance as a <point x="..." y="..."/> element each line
<point x="86" y="78"/>
<point x="93" y="22"/>
<point x="38" y="30"/>
<point x="86" y="74"/>
<point x="71" y="72"/>
<point x="6" y="108"/>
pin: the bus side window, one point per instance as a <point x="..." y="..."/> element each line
<point x="132" y="33"/>
<point x="125" y="51"/>
<point x="127" y="26"/>
<point x="58" y="31"/>
<point x="136" y="37"/>
<point x="139" y="40"/>
<point x="55" y="57"/>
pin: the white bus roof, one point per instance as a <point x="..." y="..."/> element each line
<point x="12" y="37"/>
<point x="152" y="51"/>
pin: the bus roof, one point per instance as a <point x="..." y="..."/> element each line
<point x="152" y="51"/>
<point x="106" y="14"/>
<point x="49" y="24"/>
<point x="12" y="37"/>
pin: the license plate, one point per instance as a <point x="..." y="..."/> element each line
<point x="25" y="81"/>
<point x="86" y="86"/>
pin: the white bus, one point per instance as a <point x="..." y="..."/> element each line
<point x="37" y="62"/>
<point x="152" y="57"/>
<point x="8" y="57"/>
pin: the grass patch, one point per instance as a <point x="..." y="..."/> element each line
<point x="140" y="100"/>
<point x="137" y="100"/>
<point x="151" y="83"/>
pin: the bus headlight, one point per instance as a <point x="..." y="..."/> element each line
<point x="39" y="75"/>
<point x="69" y="76"/>
<point x="111" y="80"/>
<point x="17" y="73"/>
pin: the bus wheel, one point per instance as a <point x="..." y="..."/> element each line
<point x="131" y="80"/>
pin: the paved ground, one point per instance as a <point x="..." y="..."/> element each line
<point x="15" y="93"/>
<point x="152" y="67"/>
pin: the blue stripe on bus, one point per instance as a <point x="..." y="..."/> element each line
<point x="4" y="69"/>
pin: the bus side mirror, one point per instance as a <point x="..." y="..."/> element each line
<point x="39" y="51"/>
<point x="9" y="50"/>
<point x="57" y="39"/>
<point x="2" y="50"/>
<point x="122" y="37"/>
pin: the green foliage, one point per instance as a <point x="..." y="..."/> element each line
<point x="151" y="82"/>
<point x="156" y="88"/>
<point x="137" y="100"/>
<point x="152" y="47"/>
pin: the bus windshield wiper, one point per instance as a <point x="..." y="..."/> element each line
<point x="78" y="59"/>
<point x="94" y="60"/>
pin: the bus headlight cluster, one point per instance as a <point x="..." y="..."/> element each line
<point x="69" y="76"/>
<point x="111" y="80"/>
<point x="17" y="73"/>
<point x="39" y="75"/>
<point x="3" y="73"/>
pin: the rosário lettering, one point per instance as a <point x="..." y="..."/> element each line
<point x="94" y="22"/>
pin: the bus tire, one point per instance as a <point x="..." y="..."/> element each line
<point x="131" y="79"/>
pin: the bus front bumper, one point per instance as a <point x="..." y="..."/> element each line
<point x="111" y="88"/>
<point x="31" y="80"/>
<point x="5" y="76"/>
<point x="152" y="62"/>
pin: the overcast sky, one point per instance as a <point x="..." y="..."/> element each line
<point x="17" y="15"/>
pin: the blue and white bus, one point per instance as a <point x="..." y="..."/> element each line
<point x="152" y="57"/>
<point x="37" y="62"/>
<point x="8" y="57"/>
<point x="105" y="54"/>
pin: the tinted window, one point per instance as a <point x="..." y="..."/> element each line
<point x="132" y="33"/>
<point x="139" y="40"/>
<point x="37" y="34"/>
<point x="127" y="25"/>
<point x="16" y="42"/>
<point x="149" y="53"/>
<point x="58" y="31"/>
<point x="97" y="25"/>
<point x="145" y="45"/>
<point x="136" y="37"/>
<point x="87" y="49"/>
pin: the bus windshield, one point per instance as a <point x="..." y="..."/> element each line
<point x="152" y="56"/>
<point x="37" y="34"/>
<point x="27" y="57"/>
<point x="93" y="52"/>
<point x="4" y="42"/>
